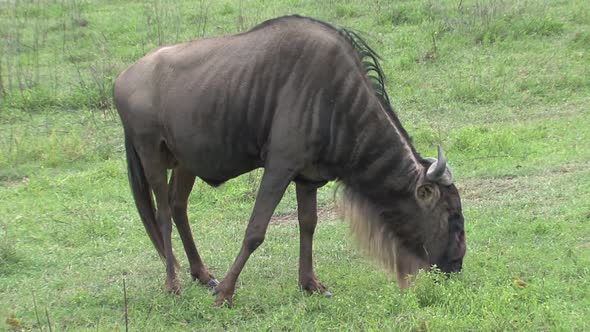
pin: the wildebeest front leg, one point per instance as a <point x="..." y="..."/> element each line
<point x="181" y="184"/>
<point x="307" y="215"/>
<point x="272" y="187"/>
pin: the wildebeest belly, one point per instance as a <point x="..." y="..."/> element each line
<point x="210" y="151"/>
<point x="216" y="168"/>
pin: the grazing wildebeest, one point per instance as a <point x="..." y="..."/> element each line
<point x="306" y="102"/>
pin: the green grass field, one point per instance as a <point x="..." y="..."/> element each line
<point x="503" y="86"/>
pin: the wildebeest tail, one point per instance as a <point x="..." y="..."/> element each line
<point x="143" y="197"/>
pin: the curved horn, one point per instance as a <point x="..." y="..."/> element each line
<point x="437" y="169"/>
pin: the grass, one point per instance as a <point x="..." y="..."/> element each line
<point x="503" y="86"/>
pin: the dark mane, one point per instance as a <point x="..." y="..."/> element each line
<point x="370" y="60"/>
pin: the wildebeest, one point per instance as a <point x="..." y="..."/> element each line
<point x="306" y="102"/>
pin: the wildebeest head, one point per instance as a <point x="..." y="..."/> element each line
<point x="415" y="230"/>
<point x="440" y="207"/>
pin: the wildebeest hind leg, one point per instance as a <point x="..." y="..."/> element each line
<point x="307" y="215"/>
<point x="272" y="187"/>
<point x="155" y="166"/>
<point x="181" y="184"/>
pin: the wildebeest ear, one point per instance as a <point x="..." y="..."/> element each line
<point x="427" y="194"/>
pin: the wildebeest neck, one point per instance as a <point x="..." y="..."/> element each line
<point x="382" y="162"/>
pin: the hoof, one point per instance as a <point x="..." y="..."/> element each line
<point x="316" y="288"/>
<point x="212" y="283"/>
<point x="173" y="287"/>
<point x="206" y="278"/>
<point x="221" y="302"/>
<point x="223" y="298"/>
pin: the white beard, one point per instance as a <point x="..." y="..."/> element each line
<point x="380" y="244"/>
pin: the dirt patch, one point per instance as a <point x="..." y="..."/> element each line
<point x="324" y="213"/>
<point x="15" y="182"/>
<point x="499" y="188"/>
